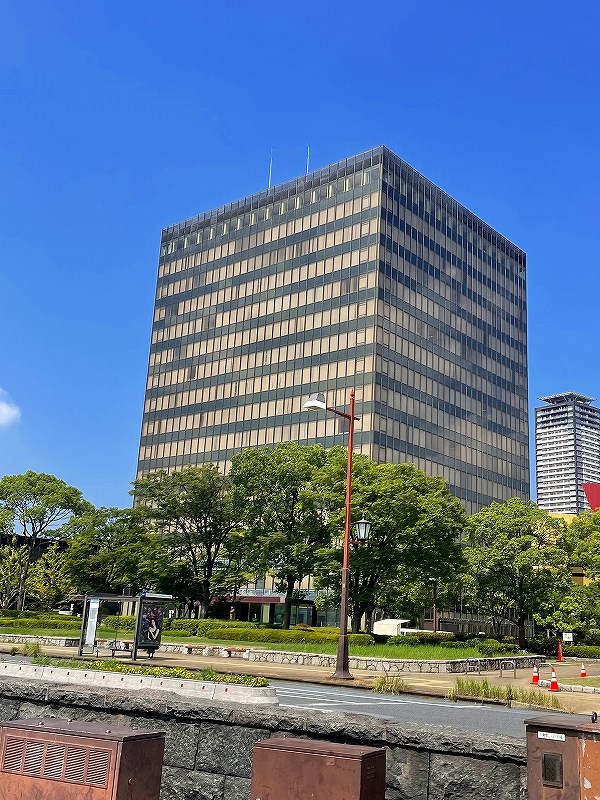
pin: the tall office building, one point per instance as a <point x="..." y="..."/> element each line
<point x="567" y="445"/>
<point x="362" y="274"/>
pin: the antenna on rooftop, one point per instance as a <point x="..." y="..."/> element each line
<point x="307" y="157"/>
<point x="270" y="168"/>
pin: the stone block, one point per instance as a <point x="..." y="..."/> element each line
<point x="29" y="710"/>
<point x="181" y="742"/>
<point x="185" y="784"/>
<point x="236" y="788"/>
<point x="407" y="773"/>
<point x="9" y="709"/>
<point x="460" y="777"/>
<point x="227" y="749"/>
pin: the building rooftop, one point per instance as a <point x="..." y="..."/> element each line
<point x="567" y="397"/>
<point x="315" y="177"/>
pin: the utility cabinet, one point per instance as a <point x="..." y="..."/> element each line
<point x="563" y="757"/>
<point x="53" y="759"/>
<point x="304" y="769"/>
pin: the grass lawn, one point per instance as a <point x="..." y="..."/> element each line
<point x="595" y="681"/>
<point x="431" y="652"/>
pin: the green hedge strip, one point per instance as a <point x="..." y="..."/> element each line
<point x="276" y="635"/>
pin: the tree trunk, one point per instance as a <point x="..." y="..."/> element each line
<point x="289" y="593"/>
<point x="23" y="581"/>
<point x="357" y="613"/>
<point x="204" y="600"/>
<point x="521" y="626"/>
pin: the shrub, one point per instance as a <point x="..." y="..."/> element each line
<point x="200" y="627"/>
<point x="109" y="665"/>
<point x="64" y="623"/>
<point x="581" y="650"/>
<point x="471" y="687"/>
<point x="492" y="647"/>
<point x="425" y="637"/>
<point x="389" y="685"/>
<point x="32" y="649"/>
<point x="118" y="622"/>
<point x="275" y="635"/>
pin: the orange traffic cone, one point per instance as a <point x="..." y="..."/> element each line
<point x="554" y="687"/>
<point x="559" y="655"/>
<point x="535" y="678"/>
<point x="583" y="673"/>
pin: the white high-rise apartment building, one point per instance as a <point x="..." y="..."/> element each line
<point x="567" y="443"/>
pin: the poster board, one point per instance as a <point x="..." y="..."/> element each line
<point x="149" y="627"/>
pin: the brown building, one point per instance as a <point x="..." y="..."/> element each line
<point x="362" y="274"/>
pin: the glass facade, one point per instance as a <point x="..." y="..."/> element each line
<point x="362" y="274"/>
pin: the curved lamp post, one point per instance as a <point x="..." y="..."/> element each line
<point x="317" y="402"/>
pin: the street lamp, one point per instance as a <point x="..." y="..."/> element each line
<point x="317" y="402"/>
<point x="362" y="529"/>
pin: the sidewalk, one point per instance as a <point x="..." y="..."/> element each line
<point x="436" y="685"/>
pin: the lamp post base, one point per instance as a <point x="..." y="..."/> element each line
<point x="342" y="675"/>
<point x="341" y="663"/>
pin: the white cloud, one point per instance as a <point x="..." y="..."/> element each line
<point x="9" y="412"/>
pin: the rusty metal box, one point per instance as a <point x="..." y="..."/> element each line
<point x="304" y="769"/>
<point x="563" y="757"/>
<point x="53" y="759"/>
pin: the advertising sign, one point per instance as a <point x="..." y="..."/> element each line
<point x="151" y="624"/>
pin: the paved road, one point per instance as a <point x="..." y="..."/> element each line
<point x="467" y="717"/>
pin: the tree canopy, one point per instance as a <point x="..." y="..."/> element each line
<point x="110" y="550"/>
<point x="281" y="511"/>
<point x="36" y="504"/>
<point x="192" y="511"/>
<point x="416" y="525"/>
<point x="518" y="563"/>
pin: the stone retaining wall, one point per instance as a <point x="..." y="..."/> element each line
<point x="393" y="665"/>
<point x="209" y="746"/>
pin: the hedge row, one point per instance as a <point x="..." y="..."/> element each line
<point x="277" y="635"/>
<point x="581" y="650"/>
<point x="424" y="637"/>
<point x="45" y="623"/>
<point x="487" y="647"/>
<point x="6" y="613"/>
<point x="191" y="627"/>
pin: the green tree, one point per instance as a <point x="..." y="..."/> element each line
<point x="416" y="526"/>
<point x="13" y="561"/>
<point x="110" y="550"/>
<point x="519" y="565"/>
<point x="281" y="512"/>
<point x="192" y="511"/>
<point x="38" y="505"/>
<point x="583" y="542"/>
<point x="578" y="611"/>
<point x="48" y="582"/>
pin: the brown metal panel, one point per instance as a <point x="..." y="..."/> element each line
<point x="58" y="760"/>
<point x="74" y="727"/>
<point x="589" y="758"/>
<point x="553" y="771"/>
<point x="302" y="769"/>
<point x="140" y="769"/>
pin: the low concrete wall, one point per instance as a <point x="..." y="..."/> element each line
<point x="50" y="641"/>
<point x="209" y="746"/>
<point x="200" y="690"/>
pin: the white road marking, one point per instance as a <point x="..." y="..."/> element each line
<point x="312" y="696"/>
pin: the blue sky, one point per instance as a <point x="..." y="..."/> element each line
<point x="117" y="118"/>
